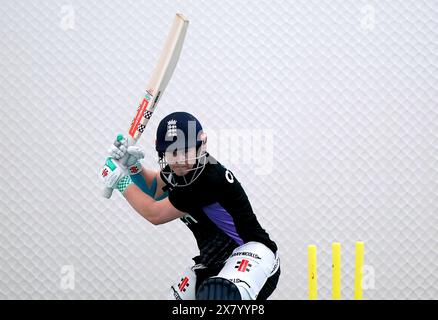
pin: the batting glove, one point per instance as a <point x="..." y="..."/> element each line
<point x="115" y="176"/>
<point x="128" y="155"/>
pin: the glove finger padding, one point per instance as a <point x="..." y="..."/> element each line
<point x="120" y="146"/>
<point x="136" y="152"/>
<point x="117" y="152"/>
<point x="126" y="153"/>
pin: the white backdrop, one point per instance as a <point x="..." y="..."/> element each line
<point x="325" y="110"/>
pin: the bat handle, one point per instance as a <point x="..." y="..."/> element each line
<point x="107" y="193"/>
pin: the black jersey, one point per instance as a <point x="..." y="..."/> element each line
<point x="218" y="213"/>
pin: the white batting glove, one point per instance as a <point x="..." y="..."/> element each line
<point x="115" y="176"/>
<point x="128" y="155"/>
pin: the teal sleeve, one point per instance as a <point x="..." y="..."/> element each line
<point x="152" y="190"/>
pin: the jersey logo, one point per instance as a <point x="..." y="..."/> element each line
<point x="229" y="176"/>
<point x="188" y="219"/>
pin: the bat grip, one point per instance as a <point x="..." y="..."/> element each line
<point x="107" y="193"/>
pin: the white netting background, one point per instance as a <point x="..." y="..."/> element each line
<point x="344" y="93"/>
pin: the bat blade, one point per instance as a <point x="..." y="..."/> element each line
<point x="161" y="76"/>
<point x="158" y="82"/>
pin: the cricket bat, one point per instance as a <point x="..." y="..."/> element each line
<point x="158" y="82"/>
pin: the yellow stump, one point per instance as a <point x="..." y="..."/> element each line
<point x="312" y="275"/>
<point x="358" y="271"/>
<point x="336" y="271"/>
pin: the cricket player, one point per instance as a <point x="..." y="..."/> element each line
<point x="237" y="259"/>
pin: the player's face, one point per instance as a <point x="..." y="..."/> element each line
<point x="181" y="161"/>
